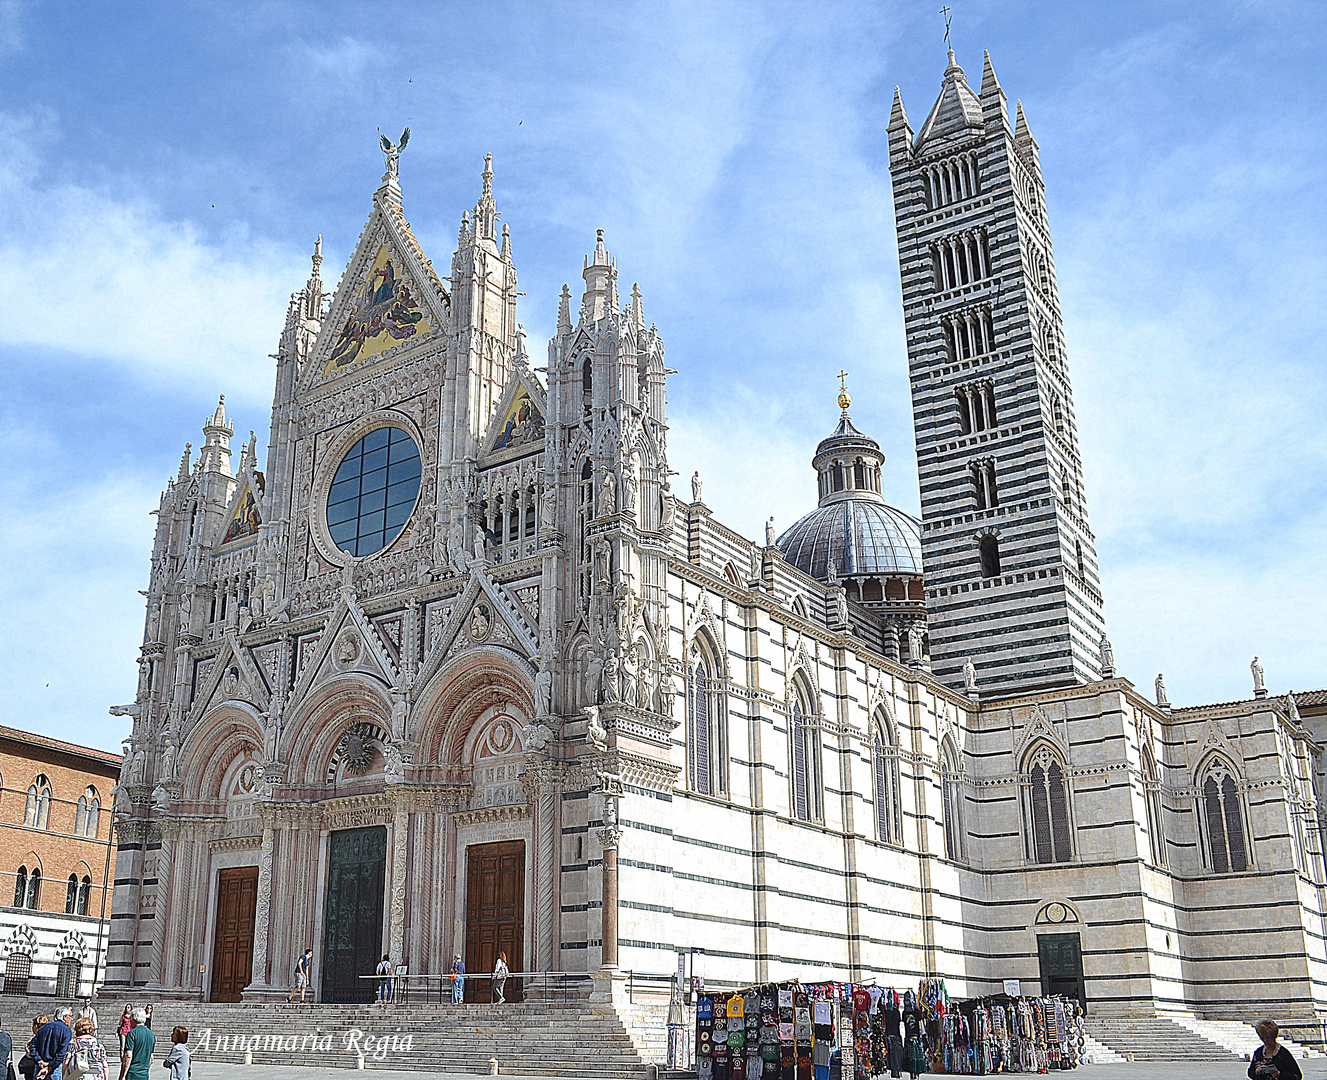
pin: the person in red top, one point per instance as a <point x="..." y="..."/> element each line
<point x="1271" y="1061"/>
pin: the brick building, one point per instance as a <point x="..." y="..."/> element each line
<point x="55" y="829"/>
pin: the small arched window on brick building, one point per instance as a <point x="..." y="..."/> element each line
<point x="88" y="812"/>
<point x="1223" y="819"/>
<point x="27" y="888"/>
<point x="37" y="811"/>
<point x="1048" y="829"/>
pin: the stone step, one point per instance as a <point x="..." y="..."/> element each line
<point x="1154" y="1039"/>
<point x="573" y="1039"/>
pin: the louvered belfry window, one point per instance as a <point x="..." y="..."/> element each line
<point x="1225" y="821"/>
<point x="1049" y="799"/>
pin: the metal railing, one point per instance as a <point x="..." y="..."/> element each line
<point x="558" y="987"/>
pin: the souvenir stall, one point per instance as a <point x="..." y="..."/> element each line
<point x="849" y="1031"/>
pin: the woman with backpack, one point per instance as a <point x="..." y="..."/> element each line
<point x="86" y="1058"/>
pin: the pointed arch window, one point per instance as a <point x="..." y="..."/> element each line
<point x="71" y="895"/>
<point x="804" y="740"/>
<point x="31" y="897"/>
<point x="87" y="813"/>
<point x="37" y="811"/>
<point x="84" y="894"/>
<point x="707" y="743"/>
<point x="884" y="768"/>
<point x="1224" y="820"/>
<point x="1152" y="806"/>
<point x="21" y="887"/>
<point x="1049" y="833"/>
<point x="951" y="783"/>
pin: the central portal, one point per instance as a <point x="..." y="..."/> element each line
<point x="494" y="914"/>
<point x="352" y="941"/>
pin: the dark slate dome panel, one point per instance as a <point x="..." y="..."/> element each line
<point x="864" y="537"/>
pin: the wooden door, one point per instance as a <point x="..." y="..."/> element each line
<point x="356" y="891"/>
<point x="232" y="952"/>
<point x="1061" y="960"/>
<point x="494" y="914"/>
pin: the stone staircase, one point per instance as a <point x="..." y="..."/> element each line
<point x="1239" y="1038"/>
<point x="576" y="1039"/>
<point x="1179" y="1038"/>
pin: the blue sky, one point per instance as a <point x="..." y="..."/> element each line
<point x="164" y="170"/>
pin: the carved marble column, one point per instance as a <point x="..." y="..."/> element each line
<point x="262" y="916"/>
<point x="400" y="834"/>
<point x="169" y="831"/>
<point x="544" y="780"/>
<point x="609" y="838"/>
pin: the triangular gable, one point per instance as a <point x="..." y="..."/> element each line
<point x="484" y="614"/>
<point x="220" y="685"/>
<point x="1040" y="727"/>
<point x="518" y="422"/>
<point x="389" y="300"/>
<point x="244" y="518"/>
<point x="349" y="643"/>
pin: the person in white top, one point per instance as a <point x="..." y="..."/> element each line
<point x="500" y="973"/>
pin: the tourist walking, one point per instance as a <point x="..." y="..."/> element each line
<point x="27" y="1064"/>
<point x="51" y="1043"/>
<point x="303" y="966"/>
<point x="123" y="1029"/>
<point x="87" y="1012"/>
<point x="458" y="980"/>
<point x="138" y="1047"/>
<point x="500" y="973"/>
<point x="178" y="1058"/>
<point x="384" y="973"/>
<point x="147" y="1011"/>
<point x="1272" y="1061"/>
<point x="6" y="1056"/>
<point x="86" y="1057"/>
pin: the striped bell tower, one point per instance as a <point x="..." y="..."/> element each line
<point x="1009" y="559"/>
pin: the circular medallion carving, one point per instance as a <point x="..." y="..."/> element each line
<point x="1056" y="913"/>
<point x="481" y="621"/>
<point x="347" y="647"/>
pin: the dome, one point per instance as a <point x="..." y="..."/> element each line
<point x="863" y="536"/>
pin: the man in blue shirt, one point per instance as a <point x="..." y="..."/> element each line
<point x="51" y="1044"/>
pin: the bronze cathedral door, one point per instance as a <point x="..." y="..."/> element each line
<point x="232" y="951"/>
<point x="352" y="941"/>
<point x="494" y="914"/>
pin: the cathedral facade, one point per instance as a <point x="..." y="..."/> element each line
<point x="459" y="671"/>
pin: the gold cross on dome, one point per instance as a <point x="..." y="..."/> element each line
<point x="844" y="399"/>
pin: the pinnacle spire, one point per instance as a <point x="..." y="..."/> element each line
<point x="486" y="210"/>
<point x="989" y="83"/>
<point x="637" y="308"/>
<point x="897" y="116"/>
<point x="184" y="461"/>
<point x="564" y="310"/>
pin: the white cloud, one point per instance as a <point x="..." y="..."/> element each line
<point x="71" y="561"/>
<point x="112" y="279"/>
